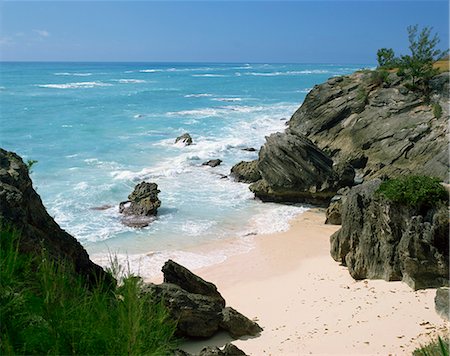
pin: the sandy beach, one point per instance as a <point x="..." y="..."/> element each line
<point x="308" y="304"/>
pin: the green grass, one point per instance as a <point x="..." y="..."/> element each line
<point x="437" y="110"/>
<point x="437" y="348"/>
<point x="46" y="308"/>
<point x="419" y="192"/>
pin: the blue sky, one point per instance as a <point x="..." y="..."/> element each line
<point x="213" y="31"/>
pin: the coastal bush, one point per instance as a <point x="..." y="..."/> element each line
<point x="436" y="348"/>
<point x="416" y="191"/>
<point x="437" y="110"/>
<point x="386" y="58"/>
<point x="379" y="77"/>
<point x="362" y="95"/>
<point x="30" y="164"/>
<point x="46" y="308"/>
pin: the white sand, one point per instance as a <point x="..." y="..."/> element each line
<point x="308" y="304"/>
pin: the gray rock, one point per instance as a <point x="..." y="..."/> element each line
<point x="141" y="206"/>
<point x="197" y="315"/>
<point x="22" y="208"/>
<point x="212" y="163"/>
<point x="228" y="350"/>
<point x="293" y="169"/>
<point x="237" y="324"/>
<point x="380" y="239"/>
<point x="246" y="172"/>
<point x="333" y="212"/>
<point x="177" y="274"/>
<point x="249" y="149"/>
<point x="184" y="138"/>
<point x="441" y="302"/>
<point x="391" y="126"/>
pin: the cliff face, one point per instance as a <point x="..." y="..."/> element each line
<point x="22" y="208"/>
<point x="381" y="128"/>
<point x="372" y="123"/>
<point x="380" y="239"/>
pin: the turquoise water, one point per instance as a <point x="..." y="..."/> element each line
<point x="98" y="129"/>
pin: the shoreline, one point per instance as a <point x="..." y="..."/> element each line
<point x="308" y="304"/>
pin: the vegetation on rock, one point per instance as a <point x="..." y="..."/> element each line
<point x="47" y="308"/>
<point x="415" y="191"/>
<point x="436" y="348"/>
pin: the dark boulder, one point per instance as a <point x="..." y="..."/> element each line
<point x="184" y="138"/>
<point x="212" y="163"/>
<point x="237" y="324"/>
<point x="228" y="350"/>
<point x="293" y="169"/>
<point x="22" y="209"/>
<point x="177" y="274"/>
<point x="141" y="206"/>
<point x="333" y="212"/>
<point x="249" y="149"/>
<point x="246" y="172"/>
<point x="381" y="239"/>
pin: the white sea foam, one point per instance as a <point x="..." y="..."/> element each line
<point x="130" y="81"/>
<point x="198" y="95"/>
<point x="287" y="73"/>
<point x="209" y="75"/>
<point x="150" y="70"/>
<point x="74" y="74"/>
<point x="227" y="99"/>
<point x="78" y="85"/>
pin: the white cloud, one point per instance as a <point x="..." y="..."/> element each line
<point x="42" y="33"/>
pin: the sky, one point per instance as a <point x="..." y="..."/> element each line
<point x="317" y="31"/>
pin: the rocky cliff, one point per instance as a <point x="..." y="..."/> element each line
<point x="382" y="239"/>
<point x="22" y="208"/>
<point x="370" y="121"/>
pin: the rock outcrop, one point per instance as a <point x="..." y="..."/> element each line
<point x="197" y="305"/>
<point x="333" y="212"/>
<point x="185" y="138"/>
<point x="141" y="206"/>
<point x="381" y="128"/>
<point x="441" y="302"/>
<point x="293" y="169"/>
<point x="212" y="163"/>
<point x="381" y="239"/>
<point x="228" y="350"/>
<point x="22" y="209"/>
<point x="246" y="172"/>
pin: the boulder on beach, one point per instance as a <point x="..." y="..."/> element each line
<point x="227" y="350"/>
<point x="197" y="305"/>
<point x="246" y="172"/>
<point x="212" y="163"/>
<point x="441" y="302"/>
<point x="185" y="138"/>
<point x="141" y="206"/>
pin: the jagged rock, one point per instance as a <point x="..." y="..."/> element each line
<point x="184" y="138"/>
<point x="141" y="206"/>
<point x="177" y="274"/>
<point x="246" y="172"/>
<point x="197" y="315"/>
<point x="22" y="208"/>
<point x="228" y="350"/>
<point x="237" y="324"/>
<point x="249" y="149"/>
<point x="333" y="212"/>
<point x="441" y="302"/>
<point x="366" y="124"/>
<point x="293" y="169"/>
<point x="380" y="239"/>
<point x="212" y="163"/>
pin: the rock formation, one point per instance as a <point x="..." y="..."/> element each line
<point x="184" y="138"/>
<point x="197" y="305"/>
<point x="246" y="172"/>
<point x="141" y="206"/>
<point x="212" y="163"/>
<point x="441" y="302"/>
<point x="381" y="239"/>
<point x="293" y="169"/>
<point x="22" y="209"/>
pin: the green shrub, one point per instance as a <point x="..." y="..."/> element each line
<point x="437" y="110"/>
<point x="436" y="348"/>
<point x="46" y="308"/>
<point x="379" y="77"/>
<point x="362" y="95"/>
<point x="415" y="191"/>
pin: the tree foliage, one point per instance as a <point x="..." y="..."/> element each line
<point x="386" y="58"/>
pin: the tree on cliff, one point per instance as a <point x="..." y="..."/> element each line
<point x="386" y="58"/>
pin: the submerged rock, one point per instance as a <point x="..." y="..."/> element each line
<point x="212" y="163"/>
<point x="141" y="206"/>
<point x="381" y="239"/>
<point x="246" y="172"/>
<point x="22" y="209"/>
<point x="184" y="138"/>
<point x="293" y="169"/>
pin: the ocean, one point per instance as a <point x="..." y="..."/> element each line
<point x="98" y="129"/>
